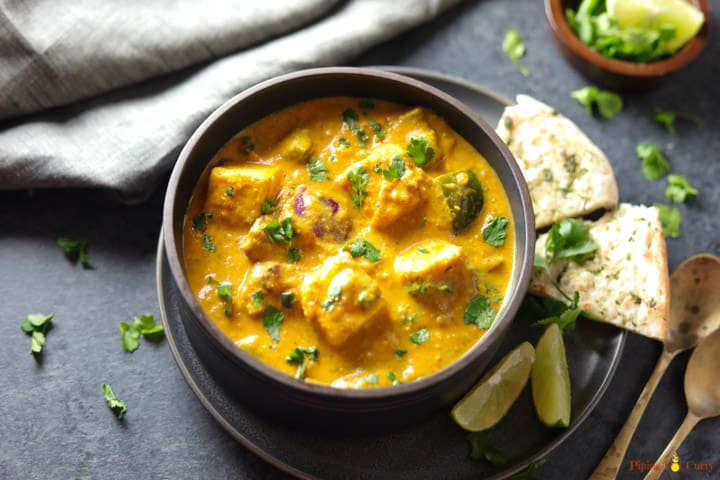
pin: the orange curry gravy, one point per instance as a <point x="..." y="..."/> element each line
<point x="341" y="241"/>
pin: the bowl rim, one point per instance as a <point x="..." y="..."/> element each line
<point x="522" y="269"/>
<point x="562" y="31"/>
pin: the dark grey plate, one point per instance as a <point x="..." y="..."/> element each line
<point x="431" y="450"/>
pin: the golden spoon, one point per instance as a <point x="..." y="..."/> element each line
<point x="694" y="314"/>
<point x="702" y="392"/>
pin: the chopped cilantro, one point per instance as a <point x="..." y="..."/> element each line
<point x="113" y="402"/>
<point x="358" y="178"/>
<point x="200" y="222"/>
<point x="407" y="318"/>
<point x="482" y="449"/>
<point x="363" y="248"/>
<point x="654" y="163"/>
<point x="608" y="103"/>
<point x="679" y="189"/>
<point x="272" y="321"/>
<point x="393" y="378"/>
<point x="144" y="325"/>
<point x="371" y="378"/>
<point x="396" y="170"/>
<point x="36" y="325"/>
<point x="287" y="298"/>
<point x="671" y="220"/>
<point x="257" y="298"/>
<point x="667" y="119"/>
<point x="494" y="231"/>
<point x="229" y="191"/>
<point x="247" y="145"/>
<point x="400" y="353"/>
<point x="377" y="128"/>
<point x="568" y="239"/>
<point x="420" y="336"/>
<point x="207" y="243"/>
<point x="280" y="232"/>
<point x="267" y="206"/>
<point x="515" y="49"/>
<point x="344" y="142"/>
<point x="334" y="292"/>
<point x="350" y="118"/>
<point x="75" y="250"/>
<point x="317" y="169"/>
<point x="420" y="150"/>
<point x="293" y="255"/>
<point x="547" y="175"/>
<point x="479" y="312"/>
<point x="301" y="356"/>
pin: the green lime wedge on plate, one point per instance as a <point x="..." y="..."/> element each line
<point x="685" y="17"/>
<point x="488" y="402"/>
<point x="550" y="379"/>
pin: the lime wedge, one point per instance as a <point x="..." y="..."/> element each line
<point x="652" y="14"/>
<point x="488" y="402"/>
<point x="550" y="379"/>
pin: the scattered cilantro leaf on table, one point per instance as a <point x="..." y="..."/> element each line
<point x="75" y="250"/>
<point x="113" y="402"/>
<point x="143" y="325"/>
<point x="515" y="49"/>
<point x="654" y="163"/>
<point x="679" y="189"/>
<point x="608" y="103"/>
<point x="36" y="325"/>
<point x="671" y="220"/>
<point x="667" y="119"/>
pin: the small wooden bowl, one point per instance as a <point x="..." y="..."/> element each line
<point x="619" y="74"/>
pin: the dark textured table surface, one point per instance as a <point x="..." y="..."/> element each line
<point x="53" y="420"/>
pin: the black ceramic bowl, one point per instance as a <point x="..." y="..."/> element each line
<point x="273" y="392"/>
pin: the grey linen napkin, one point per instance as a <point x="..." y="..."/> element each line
<point x="86" y="99"/>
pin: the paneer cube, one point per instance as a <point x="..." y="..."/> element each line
<point x="344" y="302"/>
<point x="257" y="245"/>
<point x="435" y="273"/>
<point x="390" y="199"/>
<point x="235" y="194"/>
<point x="296" y="146"/>
<point x="271" y="279"/>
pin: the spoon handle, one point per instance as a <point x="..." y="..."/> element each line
<point x="663" y="462"/>
<point x="609" y="466"/>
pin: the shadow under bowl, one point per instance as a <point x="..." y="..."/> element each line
<point x="271" y="392"/>
<point x="619" y="74"/>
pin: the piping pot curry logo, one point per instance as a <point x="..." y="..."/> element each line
<point x="674" y="465"/>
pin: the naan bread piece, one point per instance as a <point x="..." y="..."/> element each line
<point x="567" y="174"/>
<point x="626" y="283"/>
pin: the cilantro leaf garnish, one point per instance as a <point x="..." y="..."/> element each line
<point x="482" y="449"/>
<point x="334" y="292"/>
<point x="301" y="356"/>
<point x="479" y="312"/>
<point x="144" y="325"/>
<point x="230" y="191"/>
<point x="247" y="145"/>
<point x="608" y="103"/>
<point x="280" y="232"/>
<point x="564" y="315"/>
<point x="400" y="353"/>
<point x="75" y="250"/>
<point x="224" y="291"/>
<point x="494" y="231"/>
<point x="568" y="239"/>
<point x="654" y="163"/>
<point x="377" y="128"/>
<point x="272" y="321"/>
<point x="344" y="142"/>
<point x="350" y="117"/>
<point x="679" y="189"/>
<point x="396" y="170"/>
<point x="420" y="336"/>
<point x="363" y="248"/>
<point x="36" y="325"/>
<point x="515" y="48"/>
<point x="113" y="402"/>
<point x="317" y="169"/>
<point x="371" y="378"/>
<point x="393" y="378"/>
<point x="200" y="222"/>
<point x="207" y="243"/>
<point x="667" y="119"/>
<point x="293" y="254"/>
<point x="267" y="206"/>
<point x="671" y="220"/>
<point x="420" y="150"/>
<point x="287" y="298"/>
<point x="257" y="298"/>
<point x="358" y="178"/>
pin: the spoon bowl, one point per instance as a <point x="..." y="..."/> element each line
<point x="694" y="314"/>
